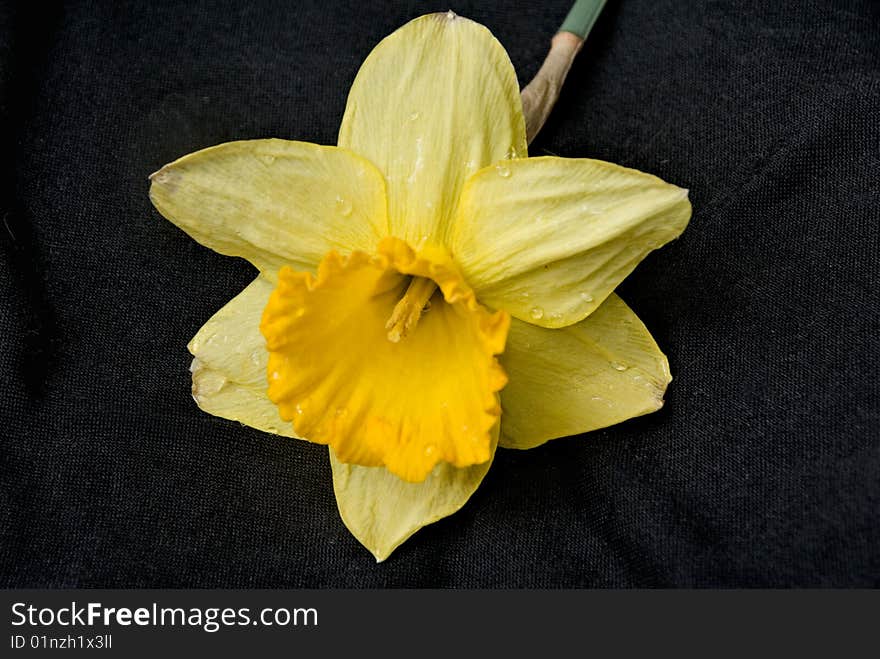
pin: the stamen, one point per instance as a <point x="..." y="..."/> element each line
<point x="407" y="312"/>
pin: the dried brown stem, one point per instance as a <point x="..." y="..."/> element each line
<point x="540" y="95"/>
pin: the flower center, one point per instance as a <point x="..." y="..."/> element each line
<point x="340" y="372"/>
<point x="409" y="309"/>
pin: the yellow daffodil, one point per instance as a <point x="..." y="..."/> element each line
<point x="426" y="292"/>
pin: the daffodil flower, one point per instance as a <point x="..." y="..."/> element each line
<point x="426" y="292"/>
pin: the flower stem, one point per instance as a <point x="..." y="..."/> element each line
<point x="540" y="95"/>
<point x="581" y="17"/>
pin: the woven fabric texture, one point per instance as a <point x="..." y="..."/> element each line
<point x="763" y="468"/>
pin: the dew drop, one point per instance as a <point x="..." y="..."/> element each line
<point x="503" y="170"/>
<point x="414" y="116"/>
<point x="267" y="158"/>
<point x="537" y="313"/>
<point x="276" y="375"/>
<point x="299" y="409"/>
<point x="343" y="206"/>
<point x="429" y="449"/>
<point x="618" y="367"/>
<point x="586" y="297"/>
<point x="341" y="411"/>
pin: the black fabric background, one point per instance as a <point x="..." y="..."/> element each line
<point x="763" y="468"/>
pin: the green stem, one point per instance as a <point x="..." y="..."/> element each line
<point x="582" y="16"/>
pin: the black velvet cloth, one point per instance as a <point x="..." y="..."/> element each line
<point x="763" y="468"/>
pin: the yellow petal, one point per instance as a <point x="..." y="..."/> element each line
<point x="274" y="202"/>
<point x="229" y="369"/>
<point x="408" y="405"/>
<point x="547" y="239"/>
<point x="434" y="102"/>
<point x="599" y="372"/>
<point x="382" y="511"/>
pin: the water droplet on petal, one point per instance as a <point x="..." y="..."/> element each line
<point x="503" y="170"/>
<point x="586" y="297"/>
<point x="343" y="206"/>
<point x="414" y="116"/>
<point x="618" y="367"/>
<point x="267" y="158"/>
<point x="299" y="409"/>
<point x="537" y="313"/>
<point x="429" y="449"/>
<point x="276" y="375"/>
